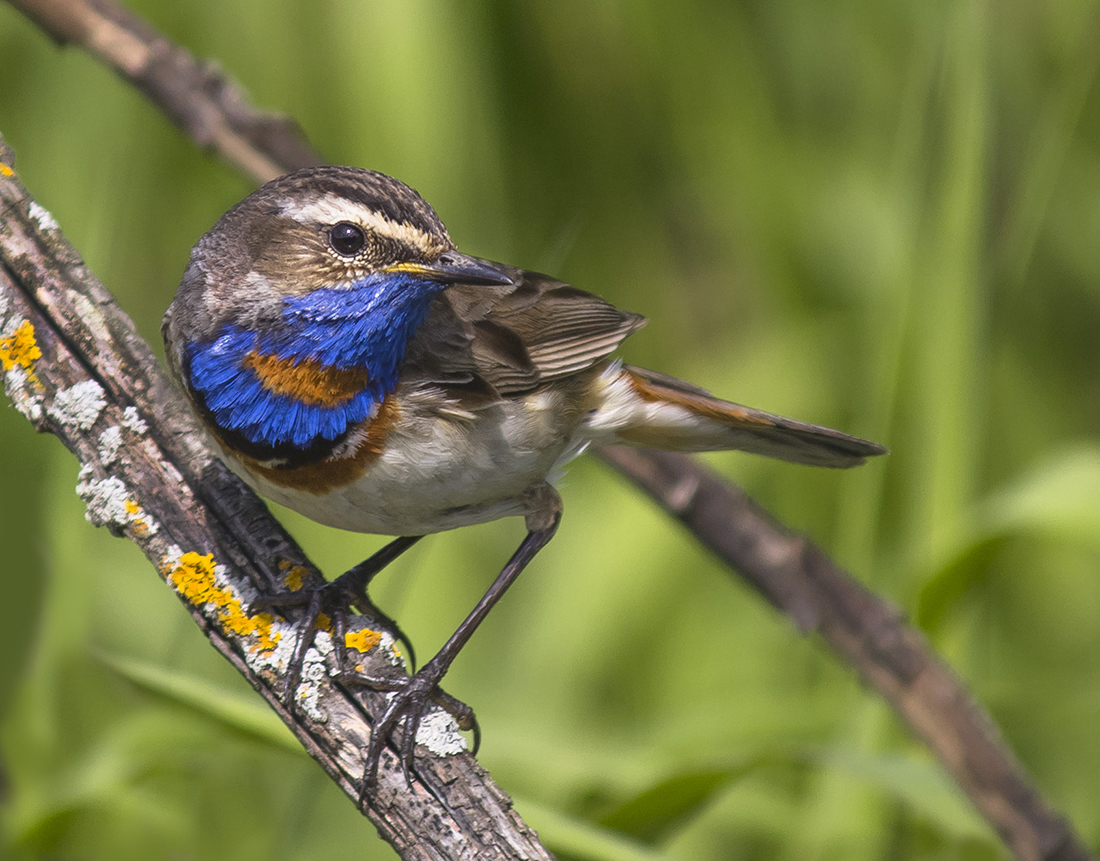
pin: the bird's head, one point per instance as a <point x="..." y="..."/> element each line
<point x="332" y="228"/>
<point x="294" y="313"/>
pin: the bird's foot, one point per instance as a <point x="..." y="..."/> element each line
<point x="412" y="697"/>
<point x="335" y="601"/>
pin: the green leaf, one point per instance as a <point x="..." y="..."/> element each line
<point x="566" y="835"/>
<point x="922" y="786"/>
<point x="244" y="713"/>
<point x="659" y="811"/>
<point x="1059" y="500"/>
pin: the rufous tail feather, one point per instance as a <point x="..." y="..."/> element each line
<point x="650" y="409"/>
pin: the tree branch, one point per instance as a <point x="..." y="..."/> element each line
<point x="868" y="633"/>
<point x="76" y="367"/>
<point x="791" y="572"/>
<point x="194" y="94"/>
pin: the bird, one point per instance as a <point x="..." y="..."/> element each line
<point x="351" y="364"/>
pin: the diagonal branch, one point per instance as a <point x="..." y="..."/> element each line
<point x="791" y="572"/>
<point x="194" y="94"/>
<point x="76" y="367"/>
<point x="869" y="634"/>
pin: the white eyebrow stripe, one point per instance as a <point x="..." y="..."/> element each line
<point x="332" y="208"/>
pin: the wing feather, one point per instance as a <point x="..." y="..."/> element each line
<point x="514" y="338"/>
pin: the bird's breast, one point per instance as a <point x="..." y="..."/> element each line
<point x="294" y="484"/>
<point x="270" y="401"/>
<point x="425" y="463"/>
<point x="308" y="381"/>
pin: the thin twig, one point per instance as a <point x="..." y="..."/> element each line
<point x="792" y="573"/>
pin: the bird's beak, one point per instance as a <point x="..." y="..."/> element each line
<point x="453" y="267"/>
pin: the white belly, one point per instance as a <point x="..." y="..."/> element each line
<point x="441" y="470"/>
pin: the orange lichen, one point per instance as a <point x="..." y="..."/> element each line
<point x="20" y="348"/>
<point x="194" y="578"/>
<point x="5" y="170"/>
<point x="295" y="578"/>
<point x="363" y="640"/>
<point x="140" y="525"/>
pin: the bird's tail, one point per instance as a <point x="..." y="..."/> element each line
<point x="641" y="407"/>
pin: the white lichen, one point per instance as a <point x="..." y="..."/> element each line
<point x="439" y="733"/>
<point x="171" y="557"/>
<point x="23" y="396"/>
<point x="41" y="216"/>
<point x="315" y="668"/>
<point x="132" y="420"/>
<point x="91" y="315"/>
<point x="110" y="441"/>
<point x="388" y="648"/>
<point x="79" y="405"/>
<point x="109" y="504"/>
<point x="322" y="642"/>
<point x="144" y="523"/>
<point x="105" y="499"/>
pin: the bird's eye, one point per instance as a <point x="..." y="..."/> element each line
<point x="346" y="239"/>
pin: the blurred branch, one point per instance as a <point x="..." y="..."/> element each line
<point x="894" y="658"/>
<point x="194" y="94"/>
<point x="791" y="572"/>
<point x="76" y="367"/>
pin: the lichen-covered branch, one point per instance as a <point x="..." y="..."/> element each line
<point x="74" y="365"/>
<point x="789" y="571"/>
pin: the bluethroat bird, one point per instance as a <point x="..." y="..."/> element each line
<point x="352" y="365"/>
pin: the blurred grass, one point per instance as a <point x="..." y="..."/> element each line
<point x="881" y="217"/>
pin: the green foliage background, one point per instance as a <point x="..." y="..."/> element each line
<point x="879" y="216"/>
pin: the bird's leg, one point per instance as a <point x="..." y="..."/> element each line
<point x="413" y="696"/>
<point x="354" y="584"/>
<point x="335" y="599"/>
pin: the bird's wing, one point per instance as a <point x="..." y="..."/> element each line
<point x="512" y="338"/>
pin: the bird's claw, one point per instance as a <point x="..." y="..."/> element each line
<point x="334" y="599"/>
<point x="413" y="697"/>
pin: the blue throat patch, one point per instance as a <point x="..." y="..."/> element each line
<point x="362" y="328"/>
